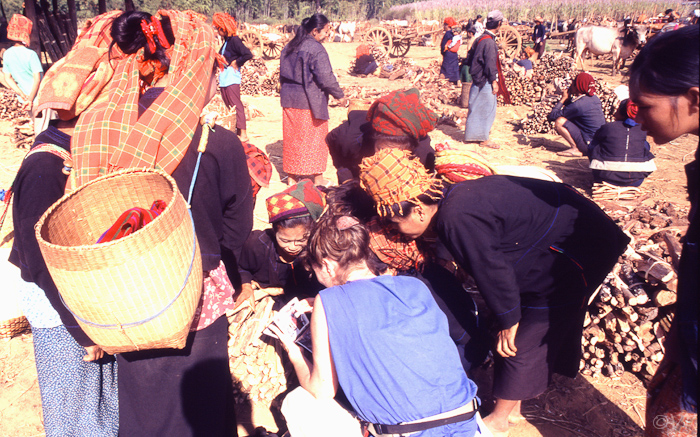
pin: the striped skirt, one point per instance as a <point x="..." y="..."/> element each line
<point x="304" y="150"/>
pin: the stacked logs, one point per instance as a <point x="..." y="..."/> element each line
<point x="10" y="109"/>
<point x="630" y="315"/>
<point x="536" y="122"/>
<point x="257" y="79"/>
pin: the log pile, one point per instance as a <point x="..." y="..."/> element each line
<point x="536" y="122"/>
<point x="257" y="79"/>
<point x="630" y="315"/>
<point x="10" y="109"/>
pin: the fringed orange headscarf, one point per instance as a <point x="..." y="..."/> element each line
<point x="361" y="50"/>
<point x="224" y="21"/>
<point x="19" y="29"/>
<point x="110" y="135"/>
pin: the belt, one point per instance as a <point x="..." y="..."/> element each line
<point x="460" y="414"/>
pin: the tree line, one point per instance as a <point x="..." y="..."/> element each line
<point x="258" y="11"/>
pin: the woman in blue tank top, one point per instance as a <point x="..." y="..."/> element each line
<point x="383" y="340"/>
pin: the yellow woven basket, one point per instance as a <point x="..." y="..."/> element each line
<point x="137" y="292"/>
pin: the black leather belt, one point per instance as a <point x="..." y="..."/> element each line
<point x="406" y="428"/>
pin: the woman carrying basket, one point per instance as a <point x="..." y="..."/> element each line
<point x="152" y="77"/>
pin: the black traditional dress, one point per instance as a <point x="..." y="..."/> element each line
<point x="537" y="250"/>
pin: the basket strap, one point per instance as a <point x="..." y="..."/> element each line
<point x="209" y="123"/>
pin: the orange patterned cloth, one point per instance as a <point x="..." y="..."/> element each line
<point x="111" y="136"/>
<point x="74" y="82"/>
<point x="19" y="29"/>
<point x="224" y="21"/>
<point x="393" y="176"/>
<point x="304" y="148"/>
<point x="393" y="248"/>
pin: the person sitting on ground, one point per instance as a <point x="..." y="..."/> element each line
<point x="398" y="118"/>
<point x="390" y="348"/>
<point x="619" y="152"/>
<point x="270" y="257"/>
<point x="672" y="22"/>
<point x="578" y="115"/>
<point x="524" y="66"/>
<point x="22" y="70"/>
<point x="364" y="61"/>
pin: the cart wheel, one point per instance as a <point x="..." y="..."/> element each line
<point x="273" y="49"/>
<point x="399" y="48"/>
<point x="253" y="41"/>
<point x="380" y="37"/>
<point x="510" y="41"/>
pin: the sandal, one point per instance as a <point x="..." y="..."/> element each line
<point x="570" y="153"/>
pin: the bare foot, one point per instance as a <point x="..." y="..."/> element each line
<point x="490" y="144"/>
<point x="497" y="428"/>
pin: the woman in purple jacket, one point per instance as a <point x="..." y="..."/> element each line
<point x="306" y="78"/>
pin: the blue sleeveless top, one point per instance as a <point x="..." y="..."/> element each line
<point x="393" y="355"/>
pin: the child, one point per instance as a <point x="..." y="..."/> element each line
<point x="269" y="257"/>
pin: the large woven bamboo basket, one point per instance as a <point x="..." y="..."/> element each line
<point x="137" y="292"/>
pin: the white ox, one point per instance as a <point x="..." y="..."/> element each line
<point x="600" y="40"/>
<point x="346" y="31"/>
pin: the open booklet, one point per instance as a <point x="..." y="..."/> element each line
<point x="293" y="323"/>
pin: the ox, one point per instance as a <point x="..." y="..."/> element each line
<point x="346" y="31"/>
<point x="600" y="40"/>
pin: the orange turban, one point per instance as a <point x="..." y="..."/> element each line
<point x="224" y="21"/>
<point x="450" y="21"/>
<point x="19" y="29"/>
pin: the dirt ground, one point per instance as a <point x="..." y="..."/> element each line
<point x="580" y="407"/>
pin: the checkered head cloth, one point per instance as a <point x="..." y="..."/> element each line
<point x="301" y="199"/>
<point x="19" y="29"/>
<point x="393" y="176"/>
<point x="402" y="113"/>
<point x="392" y="248"/>
<point x="110" y="135"/>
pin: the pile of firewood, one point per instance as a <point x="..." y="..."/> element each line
<point x="23" y="128"/>
<point x="536" y="122"/>
<point x="632" y="311"/>
<point x="257" y="79"/>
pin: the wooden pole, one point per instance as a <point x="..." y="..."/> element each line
<point x="73" y="15"/>
<point x="102" y="6"/>
<point x="30" y="12"/>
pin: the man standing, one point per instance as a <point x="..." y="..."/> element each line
<point x="483" y="67"/>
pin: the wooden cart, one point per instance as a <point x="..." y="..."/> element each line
<point x="266" y="45"/>
<point x="396" y="40"/>
<point x="510" y="41"/>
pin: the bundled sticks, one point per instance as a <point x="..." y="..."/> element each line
<point x="257" y="79"/>
<point x="630" y="315"/>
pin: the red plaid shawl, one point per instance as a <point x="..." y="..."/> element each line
<point x="110" y="136"/>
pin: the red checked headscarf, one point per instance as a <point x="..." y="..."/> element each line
<point x="110" y="135"/>
<point x="585" y="84"/>
<point x="301" y="199"/>
<point x="224" y="21"/>
<point x="19" y="29"/>
<point x="402" y="113"/>
<point x="450" y="21"/>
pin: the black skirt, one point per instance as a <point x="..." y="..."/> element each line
<point x="548" y="341"/>
<point x="177" y="392"/>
